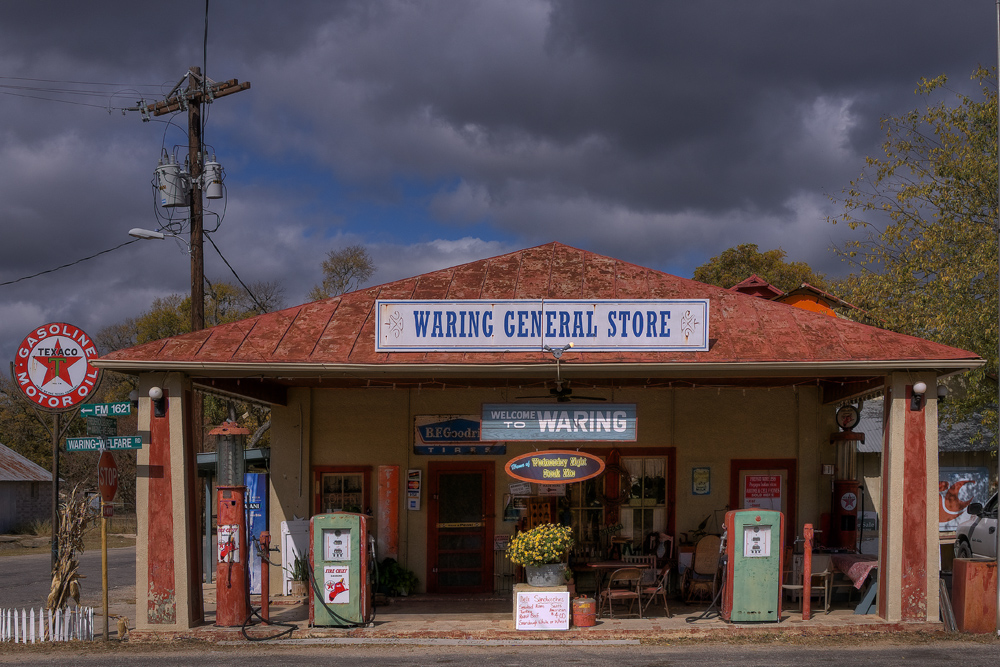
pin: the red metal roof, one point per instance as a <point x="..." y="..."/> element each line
<point x="757" y="286"/>
<point x="341" y="331"/>
<point x="16" y="468"/>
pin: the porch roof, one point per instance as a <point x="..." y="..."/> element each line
<point x="335" y="338"/>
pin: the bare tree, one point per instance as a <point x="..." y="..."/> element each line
<point x="344" y="270"/>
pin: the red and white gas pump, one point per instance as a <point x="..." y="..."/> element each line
<point x="231" y="576"/>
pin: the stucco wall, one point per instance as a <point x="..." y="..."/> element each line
<point x="707" y="426"/>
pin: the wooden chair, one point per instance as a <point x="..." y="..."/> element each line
<point x="646" y="563"/>
<point x="623" y="584"/>
<point x="659" y="587"/>
<point x="703" y="576"/>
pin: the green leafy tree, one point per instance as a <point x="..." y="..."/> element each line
<point x="344" y="270"/>
<point x="737" y="264"/>
<point x="925" y="259"/>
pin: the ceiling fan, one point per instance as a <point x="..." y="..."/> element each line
<point x="562" y="391"/>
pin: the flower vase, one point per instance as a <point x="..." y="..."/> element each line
<point x="553" y="574"/>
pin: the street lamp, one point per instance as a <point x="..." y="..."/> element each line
<point x="149" y="234"/>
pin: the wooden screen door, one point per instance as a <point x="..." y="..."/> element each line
<point x="460" y="527"/>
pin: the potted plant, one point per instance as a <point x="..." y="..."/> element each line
<point x="300" y="577"/>
<point x="543" y="551"/>
<point x="394" y="579"/>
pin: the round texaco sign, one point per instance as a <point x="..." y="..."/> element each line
<point x="53" y="368"/>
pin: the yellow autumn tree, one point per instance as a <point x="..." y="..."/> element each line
<point x="925" y="255"/>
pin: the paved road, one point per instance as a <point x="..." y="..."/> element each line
<point x="964" y="653"/>
<point x="25" y="580"/>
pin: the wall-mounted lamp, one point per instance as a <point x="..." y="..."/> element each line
<point x="917" y="396"/>
<point x="133" y="398"/>
<point x="159" y="405"/>
<point x="942" y="392"/>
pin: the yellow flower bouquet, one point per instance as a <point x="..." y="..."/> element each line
<point x="542" y="545"/>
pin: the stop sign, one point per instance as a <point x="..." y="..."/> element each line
<point x="107" y="476"/>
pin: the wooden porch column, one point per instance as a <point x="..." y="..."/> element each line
<point x="908" y="554"/>
<point x="168" y="572"/>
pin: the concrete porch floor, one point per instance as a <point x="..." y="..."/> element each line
<point x="490" y="618"/>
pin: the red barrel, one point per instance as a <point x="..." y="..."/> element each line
<point x="584" y="612"/>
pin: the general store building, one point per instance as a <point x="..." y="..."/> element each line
<point x="758" y="399"/>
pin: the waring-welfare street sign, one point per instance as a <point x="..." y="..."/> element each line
<point x="94" y="444"/>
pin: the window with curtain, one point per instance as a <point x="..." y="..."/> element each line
<point x="646" y="510"/>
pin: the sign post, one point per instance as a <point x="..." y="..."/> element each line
<point x="107" y="482"/>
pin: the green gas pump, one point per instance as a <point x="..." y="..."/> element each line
<point x="754" y="555"/>
<point x="341" y="593"/>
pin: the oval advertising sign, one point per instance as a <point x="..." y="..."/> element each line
<point x="555" y="467"/>
<point x="52" y="367"/>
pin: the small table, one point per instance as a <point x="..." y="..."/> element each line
<point x="857" y="568"/>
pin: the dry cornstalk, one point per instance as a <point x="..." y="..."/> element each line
<point x="74" y="514"/>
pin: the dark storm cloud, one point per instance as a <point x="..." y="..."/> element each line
<point x="438" y="132"/>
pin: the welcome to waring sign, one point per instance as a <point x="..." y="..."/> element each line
<point x="481" y="325"/>
<point x="546" y="421"/>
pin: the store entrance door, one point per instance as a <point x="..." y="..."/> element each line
<point x="460" y="527"/>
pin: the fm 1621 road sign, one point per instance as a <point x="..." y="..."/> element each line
<point x="121" y="409"/>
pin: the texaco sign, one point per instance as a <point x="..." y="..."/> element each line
<point x="53" y="368"/>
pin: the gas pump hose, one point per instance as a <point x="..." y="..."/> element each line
<point x="289" y="627"/>
<point x="345" y="623"/>
<point x="709" y="613"/>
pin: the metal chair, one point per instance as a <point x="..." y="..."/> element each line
<point x="703" y="575"/>
<point x="623" y="584"/>
<point x="659" y="587"/>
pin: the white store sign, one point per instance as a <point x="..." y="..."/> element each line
<point x="596" y="325"/>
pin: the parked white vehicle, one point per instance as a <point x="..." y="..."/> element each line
<point x="979" y="536"/>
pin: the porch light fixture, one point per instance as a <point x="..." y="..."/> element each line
<point x="917" y="396"/>
<point x="942" y="392"/>
<point x="159" y="405"/>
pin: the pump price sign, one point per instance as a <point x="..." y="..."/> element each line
<point x="94" y="444"/>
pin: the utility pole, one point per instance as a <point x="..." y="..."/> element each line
<point x="199" y="91"/>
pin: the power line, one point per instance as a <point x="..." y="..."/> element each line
<point x="262" y="308"/>
<point x="64" y="266"/>
<point x="157" y="86"/>
<point x="54" y="99"/>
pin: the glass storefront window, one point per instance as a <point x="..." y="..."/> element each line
<point x="644" y="512"/>
<point x="342" y="491"/>
<point x="588" y="515"/>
